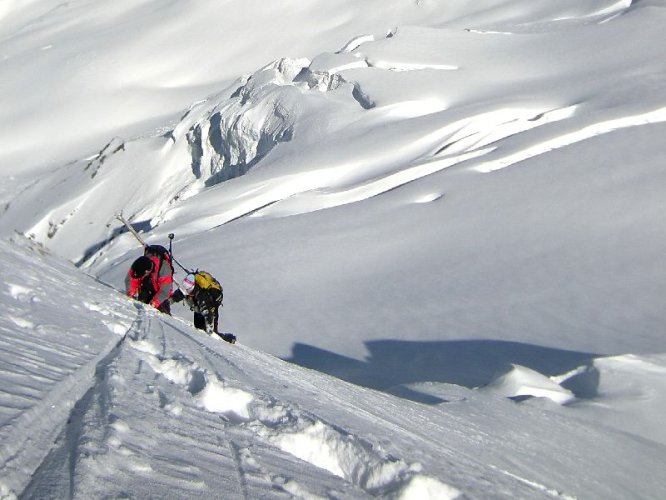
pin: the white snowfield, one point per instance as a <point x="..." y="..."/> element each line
<point x="439" y="227"/>
<point x="105" y="397"/>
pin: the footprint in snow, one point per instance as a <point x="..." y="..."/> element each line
<point x="208" y="391"/>
<point x="22" y="293"/>
<point x="347" y="456"/>
<point x="22" y="322"/>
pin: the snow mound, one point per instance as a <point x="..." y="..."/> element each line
<point x="629" y="388"/>
<point x="218" y="398"/>
<point x="210" y="392"/>
<point x="422" y="487"/>
<point x="520" y="381"/>
<point x="346" y="455"/>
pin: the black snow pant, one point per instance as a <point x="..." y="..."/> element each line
<point x="200" y="320"/>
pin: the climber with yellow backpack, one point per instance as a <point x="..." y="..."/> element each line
<point x="153" y="272"/>
<point x="203" y="294"/>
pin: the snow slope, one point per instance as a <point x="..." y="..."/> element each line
<point x="109" y="399"/>
<point x="458" y="209"/>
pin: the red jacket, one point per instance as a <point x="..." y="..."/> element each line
<point x="161" y="279"/>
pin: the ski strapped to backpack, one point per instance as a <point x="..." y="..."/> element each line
<point x="157" y="250"/>
<point x="129" y="227"/>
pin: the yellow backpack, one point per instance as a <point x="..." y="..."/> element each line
<point x="205" y="281"/>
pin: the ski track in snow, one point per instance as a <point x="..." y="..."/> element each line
<point x="102" y="439"/>
<point x="40" y="393"/>
<point x="280" y="424"/>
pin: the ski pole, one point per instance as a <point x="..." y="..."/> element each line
<point x="122" y="219"/>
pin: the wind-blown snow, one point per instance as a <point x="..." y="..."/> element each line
<point x="446" y="219"/>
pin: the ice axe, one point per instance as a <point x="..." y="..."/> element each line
<point x="171" y="237"/>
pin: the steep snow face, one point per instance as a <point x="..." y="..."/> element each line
<point x="46" y="359"/>
<point x="100" y="379"/>
<point x="102" y="396"/>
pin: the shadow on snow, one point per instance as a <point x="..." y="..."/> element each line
<point x="394" y="364"/>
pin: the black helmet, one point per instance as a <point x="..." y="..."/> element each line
<point x="141" y="266"/>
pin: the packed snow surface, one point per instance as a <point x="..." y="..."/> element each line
<point x="439" y="227"/>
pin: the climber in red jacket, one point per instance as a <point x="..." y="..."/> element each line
<point x="150" y="278"/>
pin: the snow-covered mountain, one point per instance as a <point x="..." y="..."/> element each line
<point x="445" y="205"/>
